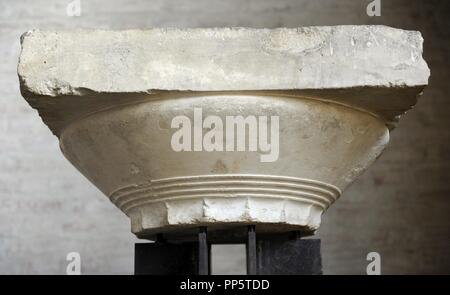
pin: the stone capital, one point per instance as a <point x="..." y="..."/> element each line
<point x="111" y="97"/>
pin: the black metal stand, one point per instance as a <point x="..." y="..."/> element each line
<point x="266" y="255"/>
<point x="204" y="253"/>
<point x="251" y="251"/>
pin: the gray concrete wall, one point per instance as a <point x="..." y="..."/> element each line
<point x="399" y="208"/>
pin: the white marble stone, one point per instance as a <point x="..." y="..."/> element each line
<point x="111" y="96"/>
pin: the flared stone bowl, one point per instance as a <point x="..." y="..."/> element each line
<point x="222" y="127"/>
<point x="134" y="154"/>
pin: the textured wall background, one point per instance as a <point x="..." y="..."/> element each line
<point x="399" y="208"/>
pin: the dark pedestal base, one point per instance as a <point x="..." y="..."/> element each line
<point x="276" y="255"/>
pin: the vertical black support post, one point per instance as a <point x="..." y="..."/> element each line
<point x="203" y="252"/>
<point x="209" y="259"/>
<point x="159" y="239"/>
<point x="251" y="250"/>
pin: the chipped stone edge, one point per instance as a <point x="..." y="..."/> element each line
<point x="60" y="88"/>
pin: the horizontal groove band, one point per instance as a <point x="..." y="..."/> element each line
<point x="228" y="185"/>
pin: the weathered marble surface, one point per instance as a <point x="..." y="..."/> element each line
<point x="71" y="62"/>
<point x="375" y="67"/>
<point x="108" y="95"/>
